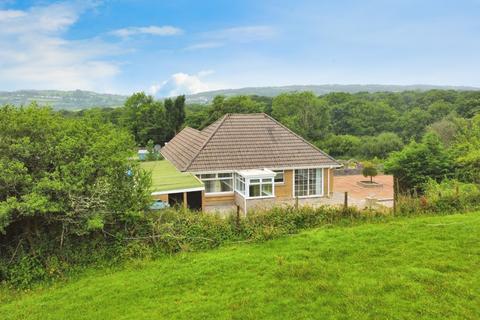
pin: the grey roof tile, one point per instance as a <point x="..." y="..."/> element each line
<point x="242" y="141"/>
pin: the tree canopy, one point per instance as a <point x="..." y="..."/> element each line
<point x="65" y="176"/>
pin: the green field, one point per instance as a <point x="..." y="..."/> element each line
<point x="416" y="268"/>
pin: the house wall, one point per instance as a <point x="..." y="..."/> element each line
<point x="215" y="200"/>
<point x="327" y="178"/>
<point x="285" y="189"/>
<point x="240" y="201"/>
<point x="163" y="197"/>
<point x="283" y="192"/>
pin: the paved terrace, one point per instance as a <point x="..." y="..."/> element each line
<point x="357" y="194"/>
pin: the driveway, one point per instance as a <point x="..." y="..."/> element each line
<point x="358" y="194"/>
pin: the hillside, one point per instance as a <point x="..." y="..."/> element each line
<point x="68" y="100"/>
<point x="205" y="97"/>
<point x="416" y="268"/>
<point x="78" y="99"/>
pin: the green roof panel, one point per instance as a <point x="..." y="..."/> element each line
<point x="165" y="177"/>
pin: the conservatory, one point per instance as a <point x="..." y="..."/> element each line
<point x="255" y="183"/>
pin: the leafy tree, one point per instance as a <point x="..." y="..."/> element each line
<point x="345" y="146"/>
<point x="439" y="109"/>
<point x="380" y="146"/>
<point x="152" y="154"/>
<point x="469" y="106"/>
<point x="466" y="150"/>
<point x="362" y="117"/>
<point x="412" y="124"/>
<point x="302" y="112"/>
<point x="65" y="178"/>
<point x="447" y="129"/>
<point x="237" y="104"/>
<point x="145" y="118"/>
<point x="175" y="110"/>
<point x="419" y="162"/>
<point x="369" y="170"/>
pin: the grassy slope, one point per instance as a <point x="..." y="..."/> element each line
<point x="412" y="268"/>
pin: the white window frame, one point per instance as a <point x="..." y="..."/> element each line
<point x="260" y="183"/>
<point x="283" y="176"/>
<point x="240" y="180"/>
<point x="309" y="196"/>
<point x="232" y="177"/>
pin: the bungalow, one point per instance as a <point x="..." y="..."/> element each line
<point x="251" y="160"/>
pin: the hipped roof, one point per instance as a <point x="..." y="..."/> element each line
<point x="243" y="141"/>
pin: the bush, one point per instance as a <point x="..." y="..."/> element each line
<point x="441" y="198"/>
<point x="170" y="231"/>
<point x="369" y="170"/>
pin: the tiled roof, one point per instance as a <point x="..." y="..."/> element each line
<point x="242" y="141"/>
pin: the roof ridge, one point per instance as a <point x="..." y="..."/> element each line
<point x="207" y="140"/>
<point x="301" y="138"/>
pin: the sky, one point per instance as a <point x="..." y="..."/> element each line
<point x="176" y="47"/>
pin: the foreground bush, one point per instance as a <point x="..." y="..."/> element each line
<point x="169" y="231"/>
<point x="65" y="185"/>
<point x="441" y="198"/>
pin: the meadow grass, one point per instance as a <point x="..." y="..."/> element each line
<point x="410" y="268"/>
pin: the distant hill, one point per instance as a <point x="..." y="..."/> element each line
<point x="57" y="99"/>
<point x="205" y="97"/>
<point x="79" y="99"/>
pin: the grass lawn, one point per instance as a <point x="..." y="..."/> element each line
<point x="416" y="268"/>
<point x="165" y="177"/>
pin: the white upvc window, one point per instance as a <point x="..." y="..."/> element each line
<point x="240" y="184"/>
<point x="279" y="176"/>
<point x="217" y="182"/>
<point x="308" y="182"/>
<point x="255" y="183"/>
<point x="260" y="188"/>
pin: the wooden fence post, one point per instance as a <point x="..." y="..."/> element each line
<point x="237" y="220"/>
<point x="296" y="202"/>
<point x="345" y="201"/>
<point x="394" y="195"/>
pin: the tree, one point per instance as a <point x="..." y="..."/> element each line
<point x="362" y="117"/>
<point x="412" y="124"/>
<point x="175" y="109"/>
<point x="304" y="113"/>
<point x="469" y="106"/>
<point x="237" y="104"/>
<point x="419" y="162"/>
<point x="380" y="146"/>
<point x="65" y="178"/>
<point x="369" y="170"/>
<point x="446" y="129"/>
<point x="466" y="150"/>
<point x="145" y="118"/>
<point x="152" y="154"/>
<point x="344" y="146"/>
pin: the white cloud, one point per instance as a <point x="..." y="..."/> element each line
<point x="183" y="83"/>
<point x="243" y="34"/>
<point x="35" y="55"/>
<point x="204" y="45"/>
<point x="150" y="30"/>
<point x="10" y="14"/>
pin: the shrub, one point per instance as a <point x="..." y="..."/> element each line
<point x="369" y="170"/>
<point x="170" y="231"/>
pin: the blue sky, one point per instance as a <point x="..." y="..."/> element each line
<point x="174" y="47"/>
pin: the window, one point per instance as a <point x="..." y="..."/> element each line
<point x="260" y="188"/>
<point x="279" y="176"/>
<point x="308" y="182"/>
<point x="217" y="182"/>
<point x="240" y="184"/>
